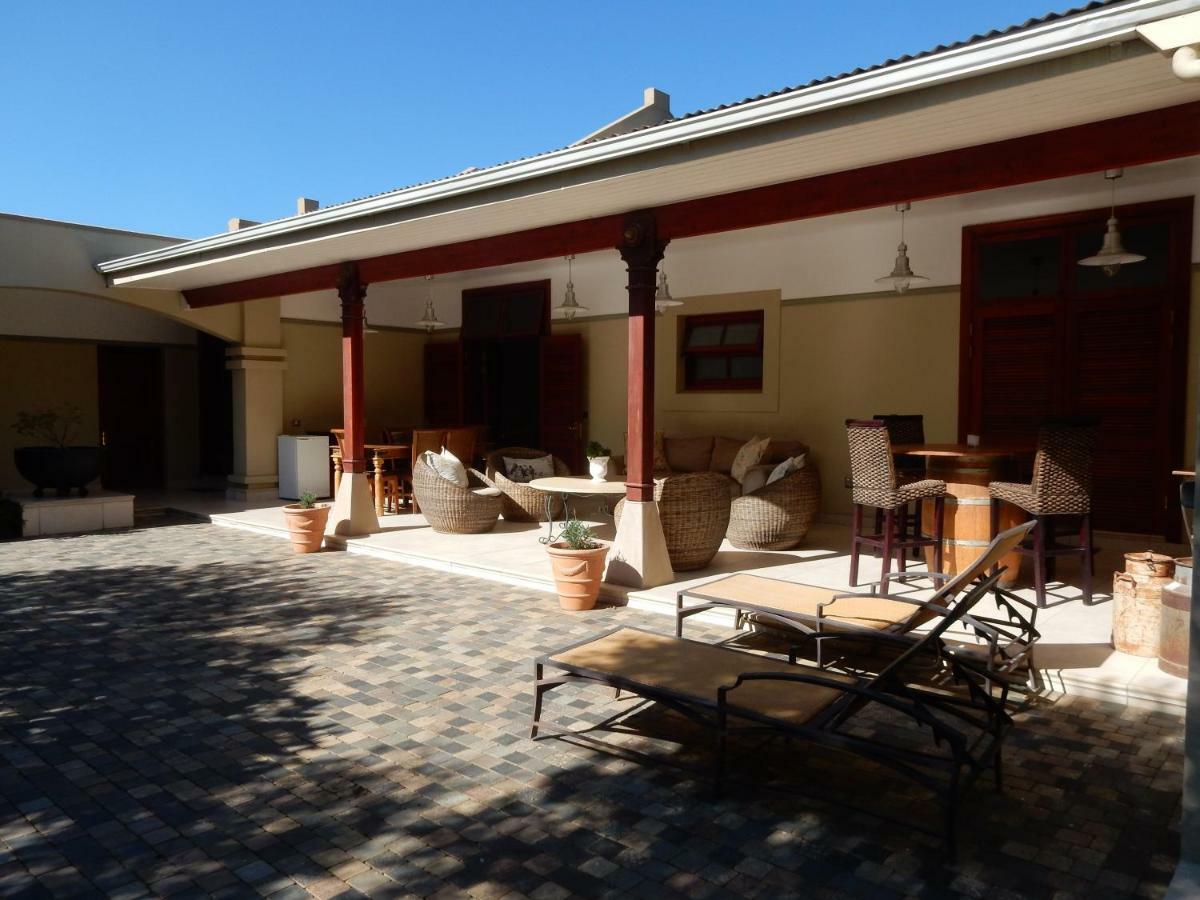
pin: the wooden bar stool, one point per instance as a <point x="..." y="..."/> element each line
<point x="873" y="483"/>
<point x="1061" y="487"/>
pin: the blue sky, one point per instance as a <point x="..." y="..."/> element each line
<point x="173" y="117"/>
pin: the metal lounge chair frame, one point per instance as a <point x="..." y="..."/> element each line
<point x="949" y="717"/>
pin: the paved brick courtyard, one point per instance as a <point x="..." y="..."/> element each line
<point x="191" y="711"/>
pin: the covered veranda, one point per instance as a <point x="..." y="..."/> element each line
<point x="634" y="195"/>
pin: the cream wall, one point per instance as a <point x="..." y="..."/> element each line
<point x="312" y="383"/>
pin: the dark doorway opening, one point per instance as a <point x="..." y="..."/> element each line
<point x="215" y="407"/>
<point x="130" y="383"/>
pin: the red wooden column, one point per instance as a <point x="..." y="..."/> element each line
<point x="641" y="250"/>
<point x="354" y="508"/>
<point x="639" y="554"/>
<point x="352" y="292"/>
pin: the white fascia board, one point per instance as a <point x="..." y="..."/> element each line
<point x="1085" y="31"/>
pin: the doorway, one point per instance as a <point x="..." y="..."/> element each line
<point x="1045" y="337"/>
<point x="130" y="381"/>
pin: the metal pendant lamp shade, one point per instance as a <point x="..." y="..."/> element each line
<point x="1112" y="254"/>
<point x="570" y="306"/>
<point x="901" y="277"/>
<point x="429" y="320"/>
<point x="662" y="294"/>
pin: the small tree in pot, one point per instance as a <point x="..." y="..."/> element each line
<point x="577" y="560"/>
<point x="306" y="523"/>
<point x="54" y="462"/>
<point x="598" y="456"/>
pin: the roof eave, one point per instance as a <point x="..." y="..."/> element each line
<point x="1060" y="37"/>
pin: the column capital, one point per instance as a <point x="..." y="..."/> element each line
<point x="350" y="286"/>
<point x="640" y="247"/>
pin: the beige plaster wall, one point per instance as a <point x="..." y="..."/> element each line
<point x="312" y="381"/>
<point x="40" y="374"/>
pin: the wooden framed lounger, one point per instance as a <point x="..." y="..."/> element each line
<point x="732" y="690"/>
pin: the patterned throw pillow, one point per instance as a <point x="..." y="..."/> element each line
<point x="751" y="454"/>
<point x="523" y="471"/>
<point x="448" y="466"/>
<point x="786" y="468"/>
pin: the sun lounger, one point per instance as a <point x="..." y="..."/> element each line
<point x="822" y="612"/>
<point x="730" y="690"/>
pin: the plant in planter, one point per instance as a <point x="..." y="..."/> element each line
<point x="306" y="523"/>
<point x="577" y="560"/>
<point x="598" y="456"/>
<point x="54" y="462"/>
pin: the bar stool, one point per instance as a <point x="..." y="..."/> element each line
<point x="905" y="429"/>
<point x="873" y="483"/>
<point x="1062" y="486"/>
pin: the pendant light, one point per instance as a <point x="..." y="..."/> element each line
<point x="662" y="293"/>
<point x="901" y="277"/>
<point x="429" y="320"/>
<point x="1112" y="254"/>
<point x="569" y="307"/>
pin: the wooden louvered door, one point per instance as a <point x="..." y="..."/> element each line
<point x="1044" y="337"/>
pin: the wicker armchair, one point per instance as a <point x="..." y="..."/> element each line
<point x="694" y="511"/>
<point x="777" y="516"/>
<point x="451" y="509"/>
<point x="519" y="502"/>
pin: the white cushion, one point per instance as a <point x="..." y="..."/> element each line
<point x="786" y="468"/>
<point x="751" y="454"/>
<point x="756" y="477"/>
<point x="448" y="466"/>
<point x="523" y="471"/>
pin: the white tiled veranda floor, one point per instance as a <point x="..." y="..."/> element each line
<point x="1074" y="656"/>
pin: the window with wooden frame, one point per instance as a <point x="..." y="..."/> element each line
<point x="723" y="351"/>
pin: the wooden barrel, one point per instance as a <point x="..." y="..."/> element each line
<point x="967" y="523"/>
<point x="1137" y="602"/>
<point x="1176" y="621"/>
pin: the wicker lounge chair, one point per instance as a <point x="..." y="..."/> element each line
<point x="694" y="511"/>
<point x="451" y="509"/>
<point x="730" y="690"/>
<point x="822" y="612"/>
<point x="519" y="502"/>
<point x="777" y="516"/>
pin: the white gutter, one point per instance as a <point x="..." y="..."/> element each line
<point x="1078" y="33"/>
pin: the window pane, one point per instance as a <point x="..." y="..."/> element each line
<point x="739" y="333"/>
<point x="746" y="367"/>
<point x="711" y="368"/>
<point x="1024" y="268"/>
<point x="1151" y="239"/>
<point x="705" y="336"/>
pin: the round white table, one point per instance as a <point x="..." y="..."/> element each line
<point x="568" y="486"/>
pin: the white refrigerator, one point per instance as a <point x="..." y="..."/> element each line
<point x="303" y="466"/>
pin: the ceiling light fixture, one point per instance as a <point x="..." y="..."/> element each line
<point x="429" y="320"/>
<point x="569" y="306"/>
<point x="1112" y="254"/>
<point x="662" y="293"/>
<point x="901" y="277"/>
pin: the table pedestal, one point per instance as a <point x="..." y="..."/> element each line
<point x="967" y="524"/>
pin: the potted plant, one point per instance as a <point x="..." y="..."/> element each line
<point x="577" y="560"/>
<point x="54" y="462"/>
<point x="598" y="456"/>
<point x="306" y="523"/>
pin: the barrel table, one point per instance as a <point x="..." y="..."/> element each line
<point x="967" y="524"/>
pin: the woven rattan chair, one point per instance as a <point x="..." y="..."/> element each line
<point x="451" y="509"/>
<point x="1061" y="488"/>
<point x="777" y="516"/>
<point x="694" y="510"/>
<point x="904" y="429"/>
<point x="519" y="502"/>
<point x="873" y="483"/>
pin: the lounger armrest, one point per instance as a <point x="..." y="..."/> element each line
<point x="932" y="576"/>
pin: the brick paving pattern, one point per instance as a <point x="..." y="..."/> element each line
<point x="188" y="711"/>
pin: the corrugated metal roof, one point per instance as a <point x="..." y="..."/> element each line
<point x="888" y="63"/>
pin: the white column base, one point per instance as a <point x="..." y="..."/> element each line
<point x="638" y="558"/>
<point x="353" y="511"/>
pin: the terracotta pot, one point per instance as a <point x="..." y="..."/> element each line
<point x="577" y="574"/>
<point x="306" y="526"/>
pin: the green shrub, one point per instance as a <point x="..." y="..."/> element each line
<point x="595" y="449"/>
<point x="578" y="535"/>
